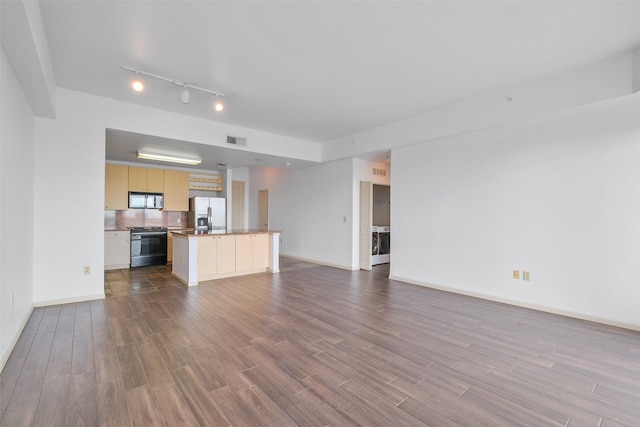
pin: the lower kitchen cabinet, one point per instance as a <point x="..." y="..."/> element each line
<point x="252" y="251"/>
<point x="226" y="257"/>
<point x="117" y="250"/>
<point x="216" y="255"/>
<point x="207" y="257"/>
<point x="202" y="257"/>
<point x="260" y="250"/>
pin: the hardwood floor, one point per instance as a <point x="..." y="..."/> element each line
<point x="313" y="346"/>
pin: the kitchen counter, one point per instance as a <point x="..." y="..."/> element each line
<point x="207" y="255"/>
<point x="195" y="233"/>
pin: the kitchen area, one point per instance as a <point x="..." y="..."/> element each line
<point x="147" y="209"/>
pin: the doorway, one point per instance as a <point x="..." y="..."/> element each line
<point x="237" y="205"/>
<point x="263" y="210"/>
<point x="375" y="224"/>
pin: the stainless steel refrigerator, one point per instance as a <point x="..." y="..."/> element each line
<point x="207" y="213"/>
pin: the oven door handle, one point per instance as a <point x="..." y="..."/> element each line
<point x="151" y="233"/>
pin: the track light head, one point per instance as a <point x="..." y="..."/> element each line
<point x="137" y="84"/>
<point x="184" y="96"/>
<point x="218" y="105"/>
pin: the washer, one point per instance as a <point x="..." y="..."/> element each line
<point x="381" y="236"/>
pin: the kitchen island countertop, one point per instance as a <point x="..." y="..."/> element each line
<point x="193" y="233"/>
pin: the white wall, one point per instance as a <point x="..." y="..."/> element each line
<point x="557" y="197"/>
<point x="16" y="209"/>
<point x="312" y="207"/>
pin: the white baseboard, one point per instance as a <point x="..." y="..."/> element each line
<point x="326" y="264"/>
<point x="14" y="340"/>
<point x="68" y="300"/>
<point x="116" y="267"/>
<point x="552" y="310"/>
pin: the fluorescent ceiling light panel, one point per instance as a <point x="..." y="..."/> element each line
<point x="168" y="158"/>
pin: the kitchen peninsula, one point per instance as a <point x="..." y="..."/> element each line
<point x="205" y="255"/>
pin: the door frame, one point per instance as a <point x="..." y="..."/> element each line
<point x="366" y="222"/>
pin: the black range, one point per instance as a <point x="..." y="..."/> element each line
<point x="148" y="246"/>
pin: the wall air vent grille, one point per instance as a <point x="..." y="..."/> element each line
<point x="379" y="172"/>
<point x="236" y="140"/>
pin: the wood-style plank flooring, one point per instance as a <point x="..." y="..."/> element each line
<point x="313" y="346"/>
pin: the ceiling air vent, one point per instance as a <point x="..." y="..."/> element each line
<point x="236" y="140"/>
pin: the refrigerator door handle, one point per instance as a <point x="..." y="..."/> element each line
<point x="209" y="218"/>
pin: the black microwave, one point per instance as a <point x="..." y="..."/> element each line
<point x="146" y="200"/>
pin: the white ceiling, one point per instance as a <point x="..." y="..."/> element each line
<point x="322" y="70"/>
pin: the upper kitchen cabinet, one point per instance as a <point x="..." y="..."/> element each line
<point x="116" y="185"/>
<point x="176" y="191"/>
<point x="146" y="179"/>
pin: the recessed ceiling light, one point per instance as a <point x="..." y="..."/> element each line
<point x="287" y="164"/>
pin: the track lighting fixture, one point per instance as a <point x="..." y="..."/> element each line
<point x="138" y="86"/>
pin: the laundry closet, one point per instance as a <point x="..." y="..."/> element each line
<point x="381" y="225"/>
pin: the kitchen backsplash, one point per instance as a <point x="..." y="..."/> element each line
<point x="116" y="220"/>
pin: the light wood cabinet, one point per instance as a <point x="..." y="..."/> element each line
<point x="260" y="250"/>
<point x="252" y="251"/>
<point x="116" y="187"/>
<point x="169" y="247"/>
<point x="146" y="179"/>
<point x="206" y="182"/>
<point x="117" y="249"/>
<point x="226" y="255"/>
<point x="244" y="252"/>
<point x="176" y="191"/>
<point x="119" y="180"/>
<point x="216" y="255"/>
<point x="207" y="256"/>
<point x="203" y="257"/>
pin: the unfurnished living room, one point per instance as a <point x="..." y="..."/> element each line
<point x="287" y="213"/>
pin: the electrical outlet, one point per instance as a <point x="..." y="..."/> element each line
<point x="516" y="274"/>
<point x="87" y="269"/>
<point x="179" y="220"/>
<point x="344" y="219"/>
<point x="526" y="275"/>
